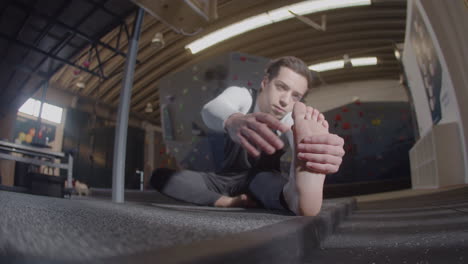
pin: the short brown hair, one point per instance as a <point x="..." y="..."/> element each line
<point x="293" y="63"/>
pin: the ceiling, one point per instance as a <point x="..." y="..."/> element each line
<point x="37" y="38"/>
<point x="359" y="32"/>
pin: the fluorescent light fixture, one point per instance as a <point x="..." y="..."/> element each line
<point x="364" y="61"/>
<point x="327" y="66"/>
<point x="270" y="17"/>
<point x="314" y="6"/>
<point x="228" y="32"/>
<point x="339" y="64"/>
<point x="49" y="112"/>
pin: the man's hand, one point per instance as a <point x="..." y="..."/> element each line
<point x="323" y="153"/>
<point x="254" y="132"/>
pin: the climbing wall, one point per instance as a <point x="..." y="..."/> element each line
<point x="377" y="137"/>
<point x="163" y="158"/>
<point x="182" y="96"/>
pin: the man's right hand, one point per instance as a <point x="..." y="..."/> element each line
<point x="254" y="132"/>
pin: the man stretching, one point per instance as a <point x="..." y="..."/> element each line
<point x="258" y="125"/>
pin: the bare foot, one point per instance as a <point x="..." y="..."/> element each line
<point x="243" y="201"/>
<point x="307" y="122"/>
<point x="303" y="193"/>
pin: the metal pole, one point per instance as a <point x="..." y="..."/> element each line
<point x="70" y="171"/>
<point x="120" y="143"/>
<point x="39" y="118"/>
<point x="45" y="86"/>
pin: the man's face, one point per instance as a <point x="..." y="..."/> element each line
<point x="279" y="95"/>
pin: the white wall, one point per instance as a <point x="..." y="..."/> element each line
<point x="447" y="26"/>
<point x="449" y="104"/>
<point x="327" y="97"/>
<point x="421" y="105"/>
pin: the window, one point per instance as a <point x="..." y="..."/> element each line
<point x="49" y="112"/>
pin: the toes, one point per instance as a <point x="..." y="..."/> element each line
<point x="299" y="111"/>
<point x="309" y="112"/>
<point x="322" y="121"/>
<point x="321" y="117"/>
<point x="315" y="115"/>
<point x="325" y="124"/>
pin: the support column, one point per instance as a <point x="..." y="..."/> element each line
<point x="45" y="86"/>
<point x="149" y="153"/>
<point x="7" y="167"/>
<point x="120" y="143"/>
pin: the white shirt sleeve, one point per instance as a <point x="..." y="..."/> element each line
<point x="289" y="121"/>
<point x="232" y="100"/>
<point x="290" y="188"/>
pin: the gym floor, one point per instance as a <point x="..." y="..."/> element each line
<point x="406" y="226"/>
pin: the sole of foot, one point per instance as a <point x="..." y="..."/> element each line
<point x="309" y="185"/>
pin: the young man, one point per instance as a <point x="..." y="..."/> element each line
<point x="257" y="127"/>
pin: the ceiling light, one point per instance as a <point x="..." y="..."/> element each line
<point x="81" y="85"/>
<point x="228" y="32"/>
<point x="397" y="54"/>
<point x="339" y="64"/>
<point x="270" y="17"/>
<point x="327" y="66"/>
<point x="149" y="108"/>
<point x="364" y="61"/>
<point x="398" y="50"/>
<point x="314" y="6"/>
<point x="158" y="41"/>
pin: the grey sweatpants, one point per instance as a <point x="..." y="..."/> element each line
<point x="206" y="188"/>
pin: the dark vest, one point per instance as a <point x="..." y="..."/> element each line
<point x="237" y="161"/>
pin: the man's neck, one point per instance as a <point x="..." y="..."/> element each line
<point x="256" y="108"/>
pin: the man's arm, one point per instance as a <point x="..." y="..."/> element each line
<point x="231" y="101"/>
<point x="254" y="132"/>
<point x="227" y="112"/>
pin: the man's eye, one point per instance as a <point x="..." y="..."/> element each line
<point x="296" y="98"/>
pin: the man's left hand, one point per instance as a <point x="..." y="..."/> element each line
<point x="322" y="153"/>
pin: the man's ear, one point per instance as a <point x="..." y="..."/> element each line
<point x="264" y="83"/>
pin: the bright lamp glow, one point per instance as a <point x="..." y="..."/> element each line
<point x="270" y="17"/>
<point x="339" y="64"/>
<point x="49" y="112"/>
